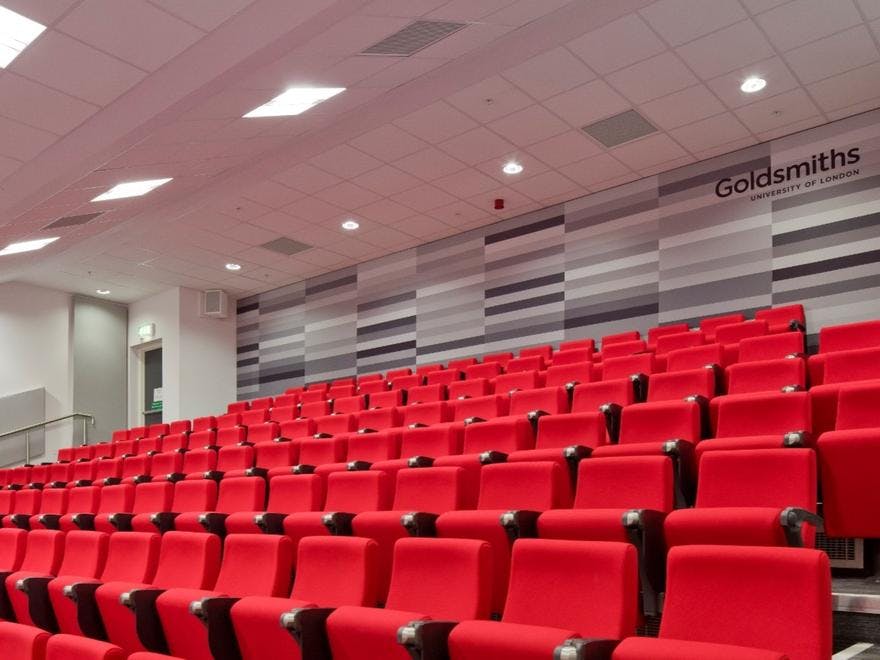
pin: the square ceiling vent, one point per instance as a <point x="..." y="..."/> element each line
<point x="413" y="38"/>
<point x="73" y="220"/>
<point x="285" y="246"/>
<point x="617" y="129"/>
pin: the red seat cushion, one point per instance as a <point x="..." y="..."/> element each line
<point x="642" y="648"/>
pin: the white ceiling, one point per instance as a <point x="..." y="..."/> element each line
<point x="117" y="91"/>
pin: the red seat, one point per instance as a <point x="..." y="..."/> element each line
<point x="444" y="377"/>
<point x="545" y="351"/>
<point x="289" y="493"/>
<point x="426" y="393"/>
<point x="697" y="357"/>
<point x="562" y="438"/>
<point x="180" y="426"/>
<point x="406" y="382"/>
<point x="185" y="560"/>
<point x="771" y="347"/>
<point x="82" y="554"/>
<point x="519" y="380"/>
<point x="558" y="590"/>
<point x="69" y="647"/>
<point x="12" y="548"/>
<point x="281" y="414"/>
<point x="26" y="504"/>
<point x="848" y="458"/>
<point x="784" y="318"/>
<point x="349" y="404"/>
<point x="501" y="358"/>
<point x="254" y="417"/>
<point x="783" y="593"/>
<point x="238" y="407"/>
<point x="372" y="387"/>
<point x="549" y="400"/>
<point x="24" y="642"/>
<point x="348" y="493"/>
<point x="527" y="363"/>
<point x="424" y="444"/>
<point x="483" y="407"/>
<point x="566" y="374"/>
<point x="733" y="333"/>
<point x="363" y="449"/>
<point x="766" y="376"/>
<point x="82" y="502"/>
<point x="389" y="399"/>
<point x="676" y="385"/>
<point x="312" y="409"/>
<point x="333" y="571"/>
<point x="253" y="565"/>
<point x="623" y="349"/>
<point x="484" y="370"/>
<point x="473" y="387"/>
<point x="334" y="424"/>
<point x="234" y="494"/>
<point x="746" y="498"/>
<point x="285" y="401"/>
<point x="113" y="499"/>
<point x="586" y="343"/>
<point x="379" y="419"/>
<point x="510" y="497"/>
<point x="710" y="325"/>
<point x="841" y="367"/>
<point x="846" y="337"/>
<point x="204" y="424"/>
<point x="131" y="557"/>
<point x="661" y="331"/>
<point x="298" y="428"/>
<point x="148" y="498"/>
<point x="443" y="579"/>
<point x="189" y="496"/>
<point x="620" y="337"/>
<point x="461" y="363"/>
<point x="572" y="356"/>
<point x="673" y="341"/>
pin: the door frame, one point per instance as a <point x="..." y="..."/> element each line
<point x="138" y="352"/>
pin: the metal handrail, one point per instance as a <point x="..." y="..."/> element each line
<point x="86" y="417"/>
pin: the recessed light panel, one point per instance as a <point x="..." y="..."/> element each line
<point x="130" y="189"/>
<point x="16" y="33"/>
<point x="295" y="101"/>
<point x="512" y="168"/>
<point x="102" y="292"/>
<point x="350" y="225"/>
<point x="27" y="246"/>
<point x="753" y="84"/>
<point x="233" y="267"/>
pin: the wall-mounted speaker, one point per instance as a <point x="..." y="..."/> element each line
<point x="215" y="303"/>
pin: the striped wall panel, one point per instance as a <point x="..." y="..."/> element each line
<point x="662" y="249"/>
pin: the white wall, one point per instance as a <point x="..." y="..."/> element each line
<point x="36" y="349"/>
<point x="198" y="356"/>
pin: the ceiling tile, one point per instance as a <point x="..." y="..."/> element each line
<point x="777" y="111"/>
<point x="273" y="194"/>
<point x="404" y="70"/>
<point x="815" y="18"/>
<point x="281" y="223"/>
<point x="726" y="50"/>
<point x="460" y="213"/>
<point x="528" y="126"/>
<point x="76" y="69"/>
<point x="436" y="122"/>
<point x="408" y="8"/>
<point x="250" y="234"/>
<point x="701" y="135"/>
<point x="239" y="207"/>
<point x="652" y="78"/>
<point x="666" y="166"/>
<point x="22" y="142"/>
<point x="758" y="6"/>
<point x="306" y="178"/>
<point x="788" y="129"/>
<point x="469" y="10"/>
<point x="679" y="21"/>
<point x="424" y="198"/>
<point x="648" y="151"/>
<point x="206" y="14"/>
<point x="424" y="227"/>
<point x="476" y="145"/>
<point x="494" y="167"/>
<point x="565" y="149"/>
<point x="39" y="106"/>
<point x="618" y="44"/>
<point x="387" y="180"/>
<point x="548" y="185"/>
<point x="133" y="30"/>
<point x="8" y="166"/>
<point x="870" y="8"/>
<point x="490" y="99"/>
<point x="429" y="164"/>
<point x="313" y="209"/>
<point x="466" y="183"/>
<point x="846" y="89"/>
<point x="854" y="109"/>
<point x="513" y="200"/>
<point x="388" y="143"/>
<point x="345" y="161"/>
<point x="688" y="105"/>
<point x="587" y="103"/>
<point x="832" y="55"/>
<point x="347" y="195"/>
<point x="388" y="238"/>
<point x="42" y="11"/>
<point x="385" y="211"/>
<point x="525" y="11"/>
<point x="549" y="73"/>
<point x="777" y="74"/>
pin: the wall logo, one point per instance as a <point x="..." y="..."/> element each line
<point x="791" y="175"/>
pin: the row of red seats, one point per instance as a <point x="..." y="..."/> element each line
<point x="178" y="594"/>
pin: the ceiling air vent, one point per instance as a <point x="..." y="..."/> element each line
<point x="621" y="128"/>
<point x="73" y="220"/>
<point x="285" y="246"/>
<point x="413" y="38"/>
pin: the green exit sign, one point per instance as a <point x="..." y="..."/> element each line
<point x="156" y="405"/>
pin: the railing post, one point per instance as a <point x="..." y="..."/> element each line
<point x="85" y="440"/>
<point x="27" y="447"/>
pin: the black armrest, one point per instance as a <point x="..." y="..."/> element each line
<point x="257" y="472"/>
<point x="214" y="522"/>
<point x="213" y="612"/>
<point x="533" y="416"/>
<point x="585" y="649"/>
<point x="488" y="457"/>
<point x="795" y="325"/>
<point x="81" y="482"/>
<point x="111" y="481"/>
<point x="703" y="404"/>
<point x="611" y="412"/>
<point x="417" y="425"/>
<point x="173" y="477"/>
<point x="366" y="430"/>
<point x="50" y="520"/>
<point x="244" y="443"/>
<point x="142" y="602"/>
<point x="87" y="614"/>
<point x="39" y="607"/>
<point x="681" y="452"/>
<point x="302" y="469"/>
<point x="796" y="439"/>
<point x="121" y="521"/>
<point x="142" y="479"/>
<point x="307" y="626"/>
<point x="57" y="484"/>
<point x="270" y="523"/>
<point x="520" y="524"/>
<point x="573" y="455"/>
<point x="419" y="461"/>
<point x="792" y="520"/>
<point x="84" y="520"/>
<point x="35" y="485"/>
<point x="426" y="640"/>
<point x="338" y="523"/>
<point x="20" y="520"/>
<point x="419" y="523"/>
<point x="17" y="486"/>
<point x="153" y="452"/>
<point x="473" y="420"/>
<point x="786" y="389"/>
<point x="640" y="386"/>
<point x="357" y="466"/>
<point x="321" y="436"/>
<point x="214" y="475"/>
<point x="644" y="527"/>
<point x="163" y="520"/>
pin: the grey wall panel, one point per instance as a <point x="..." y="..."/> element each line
<point x="661" y="249"/>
